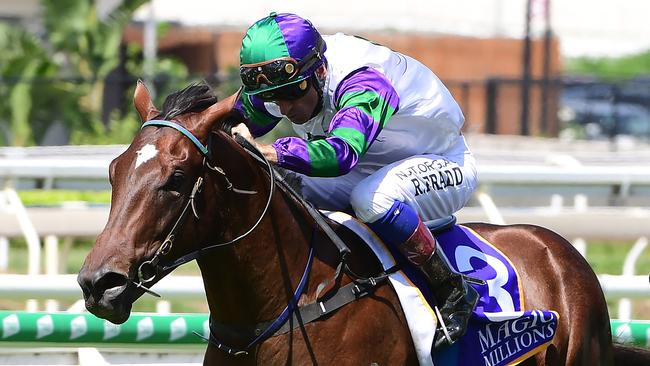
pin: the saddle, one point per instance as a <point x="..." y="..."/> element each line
<point x="499" y="332"/>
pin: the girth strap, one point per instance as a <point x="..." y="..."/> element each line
<point x="293" y="316"/>
<point x="316" y="310"/>
<point x="301" y="316"/>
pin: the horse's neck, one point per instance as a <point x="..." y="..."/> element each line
<point x="253" y="280"/>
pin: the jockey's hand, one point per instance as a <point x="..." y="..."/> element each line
<point x="243" y="131"/>
<point x="268" y="150"/>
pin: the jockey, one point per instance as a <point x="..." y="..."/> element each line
<point x="378" y="131"/>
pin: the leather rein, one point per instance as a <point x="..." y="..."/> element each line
<point x="148" y="270"/>
<point x="292" y="316"/>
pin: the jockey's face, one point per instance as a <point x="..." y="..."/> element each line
<point x="301" y="110"/>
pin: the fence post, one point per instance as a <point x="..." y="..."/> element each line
<point x="51" y="266"/>
<point x="4" y="254"/>
<point x="31" y="236"/>
<point x="491" y="99"/>
<point x="625" y="305"/>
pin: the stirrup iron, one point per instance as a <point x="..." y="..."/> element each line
<point x="443" y="326"/>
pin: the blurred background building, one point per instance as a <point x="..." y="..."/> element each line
<point x="505" y="61"/>
<point x="502" y="59"/>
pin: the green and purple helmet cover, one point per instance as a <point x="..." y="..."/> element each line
<point x="276" y="36"/>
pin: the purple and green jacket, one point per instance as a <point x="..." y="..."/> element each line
<point x="379" y="106"/>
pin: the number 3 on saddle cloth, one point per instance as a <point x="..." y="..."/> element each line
<point x="499" y="332"/>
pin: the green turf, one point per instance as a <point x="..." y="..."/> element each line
<point x="58" y="196"/>
<point x="608" y="257"/>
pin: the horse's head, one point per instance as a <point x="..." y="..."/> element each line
<point x="153" y="183"/>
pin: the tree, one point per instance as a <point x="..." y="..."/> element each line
<point x="90" y="45"/>
<point x="611" y="68"/>
<point x="61" y="77"/>
<point x="22" y="62"/>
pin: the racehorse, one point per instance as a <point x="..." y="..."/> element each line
<point x="185" y="184"/>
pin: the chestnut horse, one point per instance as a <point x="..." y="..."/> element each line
<point x="183" y="186"/>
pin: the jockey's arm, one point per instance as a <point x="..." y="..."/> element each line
<point x="365" y="100"/>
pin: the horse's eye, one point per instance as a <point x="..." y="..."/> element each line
<point x="175" y="182"/>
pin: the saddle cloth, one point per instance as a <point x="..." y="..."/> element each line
<point x="499" y="332"/>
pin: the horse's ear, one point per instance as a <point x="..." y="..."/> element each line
<point x="216" y="112"/>
<point x="143" y="103"/>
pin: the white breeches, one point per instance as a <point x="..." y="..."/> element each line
<point x="435" y="186"/>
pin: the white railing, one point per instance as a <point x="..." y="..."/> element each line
<point x="595" y="223"/>
<point x="40" y="168"/>
<point x="175" y="287"/>
<point x="624" y="176"/>
<point x="65" y="287"/>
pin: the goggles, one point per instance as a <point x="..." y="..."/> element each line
<point x="279" y="71"/>
<point x="289" y="92"/>
<point x="268" y="73"/>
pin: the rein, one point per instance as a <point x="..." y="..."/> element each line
<point x="324" y="305"/>
<point x="292" y="316"/>
<point x="148" y="270"/>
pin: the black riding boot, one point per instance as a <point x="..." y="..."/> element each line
<point x="450" y="289"/>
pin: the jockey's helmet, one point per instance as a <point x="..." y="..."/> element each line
<point x="279" y="50"/>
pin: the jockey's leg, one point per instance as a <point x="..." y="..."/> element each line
<point x="428" y="186"/>
<point x="325" y="193"/>
<point x="402" y="228"/>
<point x="396" y="198"/>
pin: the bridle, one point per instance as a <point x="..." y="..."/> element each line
<point x="293" y="315"/>
<point x="148" y="270"/>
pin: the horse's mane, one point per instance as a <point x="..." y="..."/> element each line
<point x="196" y="97"/>
<point x="199" y="96"/>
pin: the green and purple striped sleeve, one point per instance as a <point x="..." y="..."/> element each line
<point x="258" y="119"/>
<point x="365" y="101"/>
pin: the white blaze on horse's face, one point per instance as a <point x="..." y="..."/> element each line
<point x="147" y="152"/>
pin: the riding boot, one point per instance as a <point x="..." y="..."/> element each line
<point x="449" y="288"/>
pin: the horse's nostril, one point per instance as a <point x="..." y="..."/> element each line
<point x="86" y="292"/>
<point x="85" y="283"/>
<point x="110" y="280"/>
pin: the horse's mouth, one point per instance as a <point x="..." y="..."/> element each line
<point x="114" y="305"/>
<point x="116" y="317"/>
